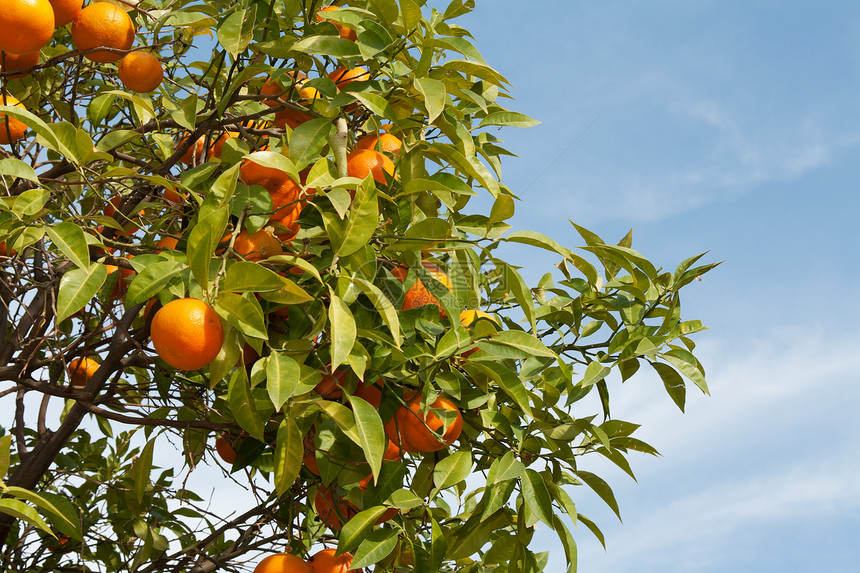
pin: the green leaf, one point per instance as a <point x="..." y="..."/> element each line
<point x="371" y="433"/>
<point x="203" y="238"/>
<point x="508" y="381"/>
<point x="673" y="383"/>
<point x="567" y="542"/>
<point x="593" y="528"/>
<point x="375" y="103"/>
<point x="30" y="202"/>
<point x="77" y="288"/>
<point x="363" y="217"/>
<point x="13" y="167"/>
<point x="601" y="488"/>
<point x="243" y="313"/>
<point x="308" y="139"/>
<point x="356" y="529"/>
<point x="374" y="548"/>
<point x="283" y="375"/>
<point x="62" y="514"/>
<point x="152" y="280"/>
<point x="5" y="455"/>
<point x="49" y="138"/>
<point x="594" y="373"/>
<point x="141" y="469"/>
<point x="516" y="344"/>
<point x="237" y="30"/>
<point x="246" y="276"/>
<point x="342" y="330"/>
<point x="452" y="470"/>
<point x="343" y="417"/>
<point x="536" y="496"/>
<point x="70" y="239"/>
<point x="20" y="510"/>
<point x="382" y="305"/>
<point x="289" y="450"/>
<point x="508" y="118"/>
<point x="243" y="406"/>
<point x="507" y="467"/>
<point x="684" y="361"/>
<point x="327" y="46"/>
<point x="434" y="96"/>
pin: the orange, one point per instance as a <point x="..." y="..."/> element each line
<point x="283" y="563"/>
<point x="65" y="10"/>
<point x="345" y="32"/>
<point x="468" y="317"/>
<point x="80" y="370"/>
<point x="195" y="153"/>
<point x="332" y="509"/>
<point x="325" y="561"/>
<point x="331" y="384"/>
<point x="418" y="295"/>
<point x="273" y="88"/>
<point x="261" y="245"/>
<point x="103" y="25"/>
<point x="415" y="431"/>
<point x="343" y="76"/>
<point x="289" y="221"/>
<point x="281" y="187"/>
<point x="309" y="458"/>
<point x="387" y="143"/>
<point x="171" y="196"/>
<point x="121" y="285"/>
<point x="140" y="72"/>
<point x="11" y="129"/>
<point x="14" y="63"/>
<point x="25" y="25"/>
<point x="167" y="243"/>
<point x="128" y="225"/>
<point x="225" y="449"/>
<point x="187" y="333"/>
<point x="291" y="118"/>
<point x="371" y="393"/>
<point x="363" y="162"/>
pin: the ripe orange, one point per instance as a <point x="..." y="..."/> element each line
<point x="196" y="153"/>
<point x="103" y="25"/>
<point x="418" y="295"/>
<point x="331" y="384"/>
<point x="14" y="63"/>
<point x="281" y="187"/>
<point x="283" y="563"/>
<point x="387" y="143"/>
<point x="345" y="32"/>
<point x="332" y="509"/>
<point x="172" y="196"/>
<point x="291" y="118"/>
<point x="261" y="245"/>
<point x="361" y="162"/>
<point x="407" y="428"/>
<point x="167" y="243"/>
<point x="273" y="88"/>
<point x="80" y="370"/>
<point x="370" y="392"/>
<point x="25" y="25"/>
<point x="343" y="76"/>
<point x="468" y="317"/>
<point x="65" y="10"/>
<point x="225" y="449"/>
<point x="11" y="129"/>
<point x="289" y="221"/>
<point x="187" y="333"/>
<point x="121" y="285"/>
<point x="140" y="72"/>
<point x="325" y="562"/>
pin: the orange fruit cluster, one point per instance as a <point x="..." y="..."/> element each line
<point x="324" y="561"/>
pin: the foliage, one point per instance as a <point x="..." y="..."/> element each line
<point x="109" y="476"/>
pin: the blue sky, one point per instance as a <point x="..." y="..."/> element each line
<point x="729" y="127"/>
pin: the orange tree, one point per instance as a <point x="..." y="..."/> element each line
<point x="344" y="386"/>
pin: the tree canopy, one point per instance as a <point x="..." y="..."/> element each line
<point x="385" y="383"/>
